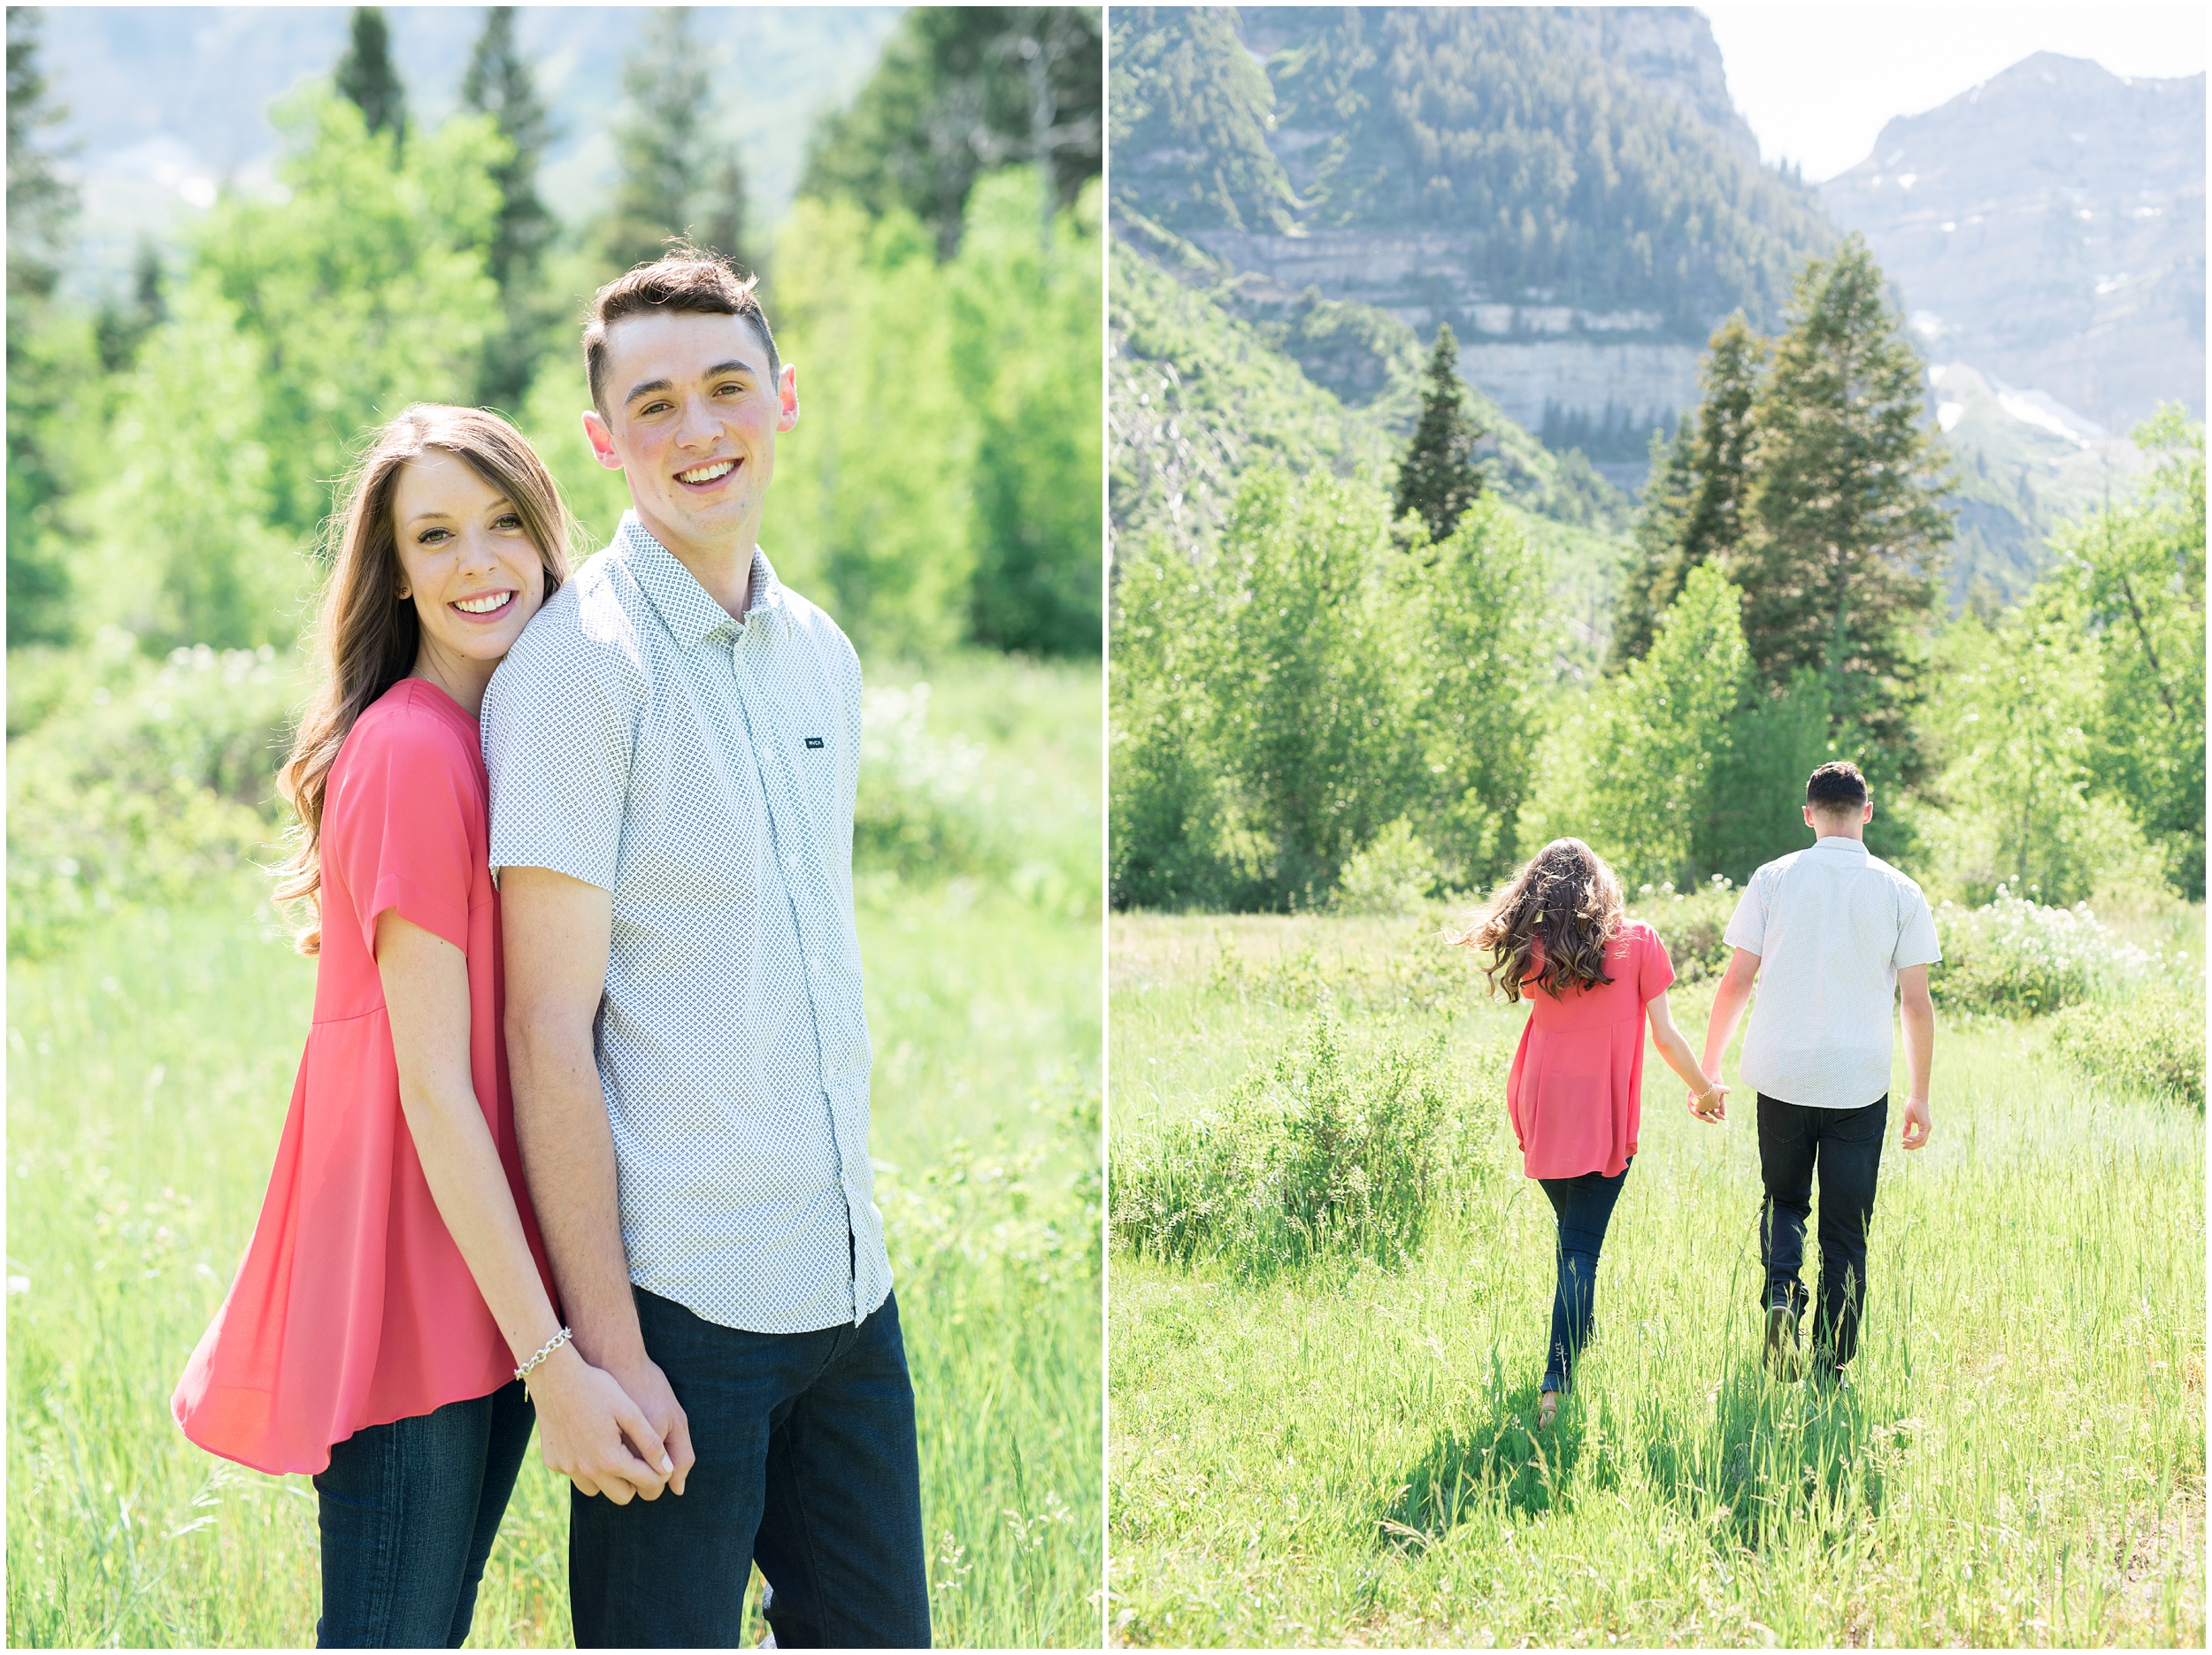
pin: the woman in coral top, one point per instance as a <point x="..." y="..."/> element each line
<point x="395" y="1291"/>
<point x="1593" y="977"/>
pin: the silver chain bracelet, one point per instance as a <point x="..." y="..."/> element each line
<point x="544" y="1351"/>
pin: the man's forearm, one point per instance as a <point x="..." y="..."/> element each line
<point x="1919" y="1027"/>
<point x="568" y="1159"/>
<point x="1720" y="1028"/>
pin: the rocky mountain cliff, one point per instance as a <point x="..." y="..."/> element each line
<point x="2047" y="227"/>
<point x="1571" y="188"/>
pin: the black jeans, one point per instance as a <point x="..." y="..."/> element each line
<point x="1846" y="1147"/>
<point x="1585" y="1207"/>
<point x="408" y="1512"/>
<point x="808" y="1466"/>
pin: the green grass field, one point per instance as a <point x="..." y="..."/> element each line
<point x="1344" y="1455"/>
<point x="149" y="1070"/>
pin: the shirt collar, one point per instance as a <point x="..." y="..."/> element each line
<point x="689" y="612"/>
<point x="1844" y="842"/>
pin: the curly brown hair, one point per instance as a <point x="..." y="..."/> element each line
<point x="1555" y="917"/>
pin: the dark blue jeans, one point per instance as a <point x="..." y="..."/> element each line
<point x="1845" y="1146"/>
<point x="1585" y="1207"/>
<point x="808" y="1466"/>
<point x="408" y="1512"/>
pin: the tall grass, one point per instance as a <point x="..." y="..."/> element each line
<point x="149" y="1063"/>
<point x="1345" y="1453"/>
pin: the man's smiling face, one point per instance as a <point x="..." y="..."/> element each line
<point x="693" y="409"/>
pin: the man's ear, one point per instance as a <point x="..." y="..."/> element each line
<point x="787" y="397"/>
<point x="602" y="441"/>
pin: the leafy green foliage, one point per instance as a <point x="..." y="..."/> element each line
<point x="1335" y="1149"/>
<point x="1280" y="702"/>
<point x="2152" y="1043"/>
<point x="1025" y="323"/>
<point x="1693" y="924"/>
<point x="2017" y="957"/>
<point x="961" y="91"/>
<point x="1439" y="479"/>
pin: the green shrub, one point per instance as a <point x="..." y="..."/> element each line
<point x="924" y="805"/>
<point x="153" y="781"/>
<point x="2153" y="1042"/>
<point x="2018" y="958"/>
<point x="1395" y="874"/>
<point x="1321" y="1153"/>
<point x="1691" y="923"/>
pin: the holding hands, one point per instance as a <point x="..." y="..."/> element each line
<point x="1710" y="1106"/>
<point x="592" y="1433"/>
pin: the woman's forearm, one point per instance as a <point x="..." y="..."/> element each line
<point x="462" y="1167"/>
<point x="1681" y="1060"/>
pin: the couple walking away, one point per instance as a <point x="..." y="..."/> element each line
<point x="596" y="827"/>
<point x="1833" y="934"/>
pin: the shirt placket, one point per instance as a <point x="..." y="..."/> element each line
<point x="804" y="888"/>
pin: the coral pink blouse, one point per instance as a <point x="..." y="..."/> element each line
<point x="1574" y="1092"/>
<point x="353" y="1306"/>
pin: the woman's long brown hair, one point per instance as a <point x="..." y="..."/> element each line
<point x="1563" y="909"/>
<point x="366" y="634"/>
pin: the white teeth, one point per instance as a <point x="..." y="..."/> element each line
<point x="486" y="604"/>
<point x="708" y="474"/>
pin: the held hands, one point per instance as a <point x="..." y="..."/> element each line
<point x="591" y="1432"/>
<point x="1917" y="1125"/>
<point x="642" y="1378"/>
<point x="1710" y="1106"/>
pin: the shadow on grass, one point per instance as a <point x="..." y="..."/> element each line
<point x="1498" y="1461"/>
<point x="1771" y="1458"/>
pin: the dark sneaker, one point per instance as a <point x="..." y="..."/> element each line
<point x="1781" y="1348"/>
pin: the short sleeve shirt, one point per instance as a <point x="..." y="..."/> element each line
<point x="353" y="1306"/>
<point x="702" y="769"/>
<point x="1575" y="1092"/>
<point x="1832" y="926"/>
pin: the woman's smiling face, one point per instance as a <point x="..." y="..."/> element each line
<point x="467" y="563"/>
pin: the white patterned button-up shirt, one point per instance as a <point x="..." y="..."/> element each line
<point x="702" y="770"/>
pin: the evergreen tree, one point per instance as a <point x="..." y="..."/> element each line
<point x="1735" y="359"/>
<point x="1439" y="477"/>
<point x="119" y="329"/>
<point x="1846" y="528"/>
<point x="40" y="203"/>
<point x="499" y="83"/>
<point x="725" y="216"/>
<point x="366" y="75"/>
<point x="661" y="141"/>
<point x="961" y="91"/>
<point x="1655" y="570"/>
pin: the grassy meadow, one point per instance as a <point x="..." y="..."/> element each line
<point x="150" y="1064"/>
<point x="1342" y="1452"/>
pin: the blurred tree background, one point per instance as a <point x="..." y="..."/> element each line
<point x="171" y="453"/>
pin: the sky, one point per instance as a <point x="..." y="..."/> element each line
<point x="1816" y="82"/>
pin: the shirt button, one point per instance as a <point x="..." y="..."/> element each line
<point x="814" y="963"/>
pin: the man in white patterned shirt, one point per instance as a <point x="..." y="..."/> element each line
<point x="1835" y="938"/>
<point x="673" y="753"/>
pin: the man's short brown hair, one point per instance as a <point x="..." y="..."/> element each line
<point x="1838" y="788"/>
<point x="685" y="279"/>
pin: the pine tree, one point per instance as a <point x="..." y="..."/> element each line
<point x="499" y="83"/>
<point x="661" y="141"/>
<point x="118" y="329"/>
<point x="1847" y="530"/>
<point x="725" y="220"/>
<point x="1439" y="477"/>
<point x="1735" y="359"/>
<point x="40" y="203"/>
<point x="1656" y="570"/>
<point x="367" y="76"/>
